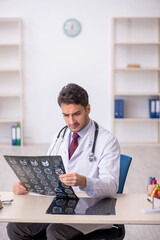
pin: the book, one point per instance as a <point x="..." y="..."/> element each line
<point x="133" y="66"/>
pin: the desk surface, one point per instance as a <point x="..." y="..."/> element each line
<point x="32" y="208"/>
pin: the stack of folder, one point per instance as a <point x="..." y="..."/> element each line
<point x="154" y="108"/>
<point x="16" y="136"/>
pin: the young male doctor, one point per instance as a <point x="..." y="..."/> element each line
<point x="97" y="176"/>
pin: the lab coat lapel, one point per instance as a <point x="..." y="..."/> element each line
<point x="64" y="147"/>
<point x="84" y="144"/>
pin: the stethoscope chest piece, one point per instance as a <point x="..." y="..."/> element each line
<point x="91" y="157"/>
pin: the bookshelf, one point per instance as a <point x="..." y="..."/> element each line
<point x="11" y="97"/>
<point x="136" y="41"/>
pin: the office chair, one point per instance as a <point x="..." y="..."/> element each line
<point x="117" y="232"/>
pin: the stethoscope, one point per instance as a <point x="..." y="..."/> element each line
<point x="64" y="129"/>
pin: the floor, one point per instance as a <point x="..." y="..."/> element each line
<point x="145" y="163"/>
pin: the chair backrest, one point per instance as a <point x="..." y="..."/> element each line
<point x="125" y="162"/>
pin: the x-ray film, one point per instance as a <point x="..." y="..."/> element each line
<point x="41" y="174"/>
<point x="82" y="206"/>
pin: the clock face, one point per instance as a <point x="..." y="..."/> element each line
<point x="72" y="27"/>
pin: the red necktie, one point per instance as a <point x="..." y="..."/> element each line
<point x="74" y="144"/>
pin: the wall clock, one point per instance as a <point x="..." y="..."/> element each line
<point x="72" y="27"/>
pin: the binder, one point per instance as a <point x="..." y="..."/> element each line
<point x="152" y="108"/>
<point x="13" y="135"/>
<point x="157" y="108"/>
<point x="116" y="108"/>
<point x="18" y="136"/>
<point x="119" y="108"/>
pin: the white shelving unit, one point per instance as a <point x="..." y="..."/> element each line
<point x="136" y="41"/>
<point x="11" y="97"/>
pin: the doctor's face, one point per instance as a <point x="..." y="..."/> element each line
<point x="75" y="116"/>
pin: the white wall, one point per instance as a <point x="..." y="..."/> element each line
<point x="51" y="59"/>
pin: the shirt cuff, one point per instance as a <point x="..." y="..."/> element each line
<point x="89" y="189"/>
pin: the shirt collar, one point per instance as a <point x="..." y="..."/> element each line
<point x="84" y="130"/>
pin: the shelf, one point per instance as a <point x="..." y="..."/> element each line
<point x="149" y="144"/>
<point x="10" y="20"/>
<point x="136" y="41"/>
<point x="9" y="44"/>
<point x="10" y="95"/>
<point x="137" y="120"/>
<point x="11" y="84"/>
<point x="10" y="120"/>
<point x="137" y="44"/>
<point x="137" y="94"/>
<point x="136" y="69"/>
<point x="10" y="70"/>
<point x="3" y="145"/>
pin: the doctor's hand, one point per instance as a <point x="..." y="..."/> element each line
<point x="73" y="179"/>
<point x="19" y="189"/>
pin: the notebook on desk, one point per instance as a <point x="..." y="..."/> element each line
<point x="40" y="174"/>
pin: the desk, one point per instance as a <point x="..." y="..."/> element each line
<point x="32" y="208"/>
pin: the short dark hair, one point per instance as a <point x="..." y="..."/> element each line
<point x="73" y="94"/>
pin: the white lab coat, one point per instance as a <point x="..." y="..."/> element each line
<point x="103" y="171"/>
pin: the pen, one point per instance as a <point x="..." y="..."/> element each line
<point x="149" y="200"/>
<point x="152" y="202"/>
<point x="7" y="201"/>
